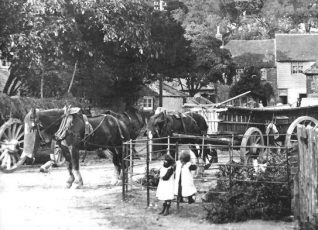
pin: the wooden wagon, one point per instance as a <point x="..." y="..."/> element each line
<point x="12" y="113"/>
<point x="254" y="128"/>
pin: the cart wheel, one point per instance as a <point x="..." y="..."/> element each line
<point x="251" y="145"/>
<point x="291" y="134"/>
<point x="11" y="139"/>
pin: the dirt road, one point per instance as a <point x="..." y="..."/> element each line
<point x="36" y="201"/>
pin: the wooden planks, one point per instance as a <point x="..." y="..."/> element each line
<point x="306" y="185"/>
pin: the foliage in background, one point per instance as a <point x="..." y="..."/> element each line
<point x="250" y="80"/>
<point x="102" y="42"/>
<point x="250" y="195"/>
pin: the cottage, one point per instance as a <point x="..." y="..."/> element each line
<point x="257" y="53"/>
<point x="172" y="99"/>
<point x="295" y="53"/>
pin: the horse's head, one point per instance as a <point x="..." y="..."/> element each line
<point x="39" y="126"/>
<point x="158" y="125"/>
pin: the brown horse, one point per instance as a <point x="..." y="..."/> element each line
<point x="133" y="119"/>
<point x="74" y="131"/>
<point x="166" y="124"/>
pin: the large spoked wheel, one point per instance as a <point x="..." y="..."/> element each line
<point x="251" y="145"/>
<point x="11" y="142"/>
<point x="291" y="134"/>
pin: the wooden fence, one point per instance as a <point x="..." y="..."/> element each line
<point x="306" y="181"/>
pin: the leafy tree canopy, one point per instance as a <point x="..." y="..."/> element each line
<point x="107" y="40"/>
<point x="250" y="80"/>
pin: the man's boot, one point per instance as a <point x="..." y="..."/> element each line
<point x="167" y="209"/>
<point x="164" y="208"/>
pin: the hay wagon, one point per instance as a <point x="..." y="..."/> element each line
<point x="253" y="128"/>
<point x="12" y="113"/>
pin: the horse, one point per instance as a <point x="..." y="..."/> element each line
<point x="165" y="124"/>
<point x="73" y="131"/>
<point x="133" y="119"/>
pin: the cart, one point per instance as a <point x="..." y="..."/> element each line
<point x="12" y="113"/>
<point x="254" y="128"/>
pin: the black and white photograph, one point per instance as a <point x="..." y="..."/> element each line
<point x="159" y="114"/>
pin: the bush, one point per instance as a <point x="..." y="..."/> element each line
<point x="153" y="179"/>
<point x="250" y="195"/>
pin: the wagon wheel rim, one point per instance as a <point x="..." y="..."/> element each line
<point x="251" y="145"/>
<point x="11" y="137"/>
<point x="291" y="134"/>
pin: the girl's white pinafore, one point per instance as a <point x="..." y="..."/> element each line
<point x="187" y="184"/>
<point x="165" y="189"/>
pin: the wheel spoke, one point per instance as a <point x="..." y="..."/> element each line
<point x="19" y="136"/>
<point x="2" y="155"/>
<point x="19" y="133"/>
<point x="257" y="139"/>
<point x="14" y="127"/>
<point x="9" y="133"/>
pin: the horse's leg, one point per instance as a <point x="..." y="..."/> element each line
<point x="75" y="161"/>
<point x="117" y="165"/>
<point x="69" y="166"/>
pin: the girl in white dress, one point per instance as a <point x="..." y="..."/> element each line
<point x="184" y="185"/>
<point x="165" y="189"/>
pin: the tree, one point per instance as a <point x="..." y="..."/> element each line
<point x="107" y="40"/>
<point x="211" y="63"/>
<point x="171" y="50"/>
<point x="250" y="80"/>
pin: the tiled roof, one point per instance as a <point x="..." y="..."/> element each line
<point x="296" y="47"/>
<point x="312" y="70"/>
<point x="4" y="74"/>
<point x="260" y="53"/>
<point x="146" y="91"/>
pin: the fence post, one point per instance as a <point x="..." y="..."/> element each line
<point x="149" y="144"/>
<point x="131" y="163"/>
<point x="168" y="148"/>
<point x="288" y="177"/>
<point x="147" y="172"/>
<point x="123" y="173"/>
<point x="176" y="158"/>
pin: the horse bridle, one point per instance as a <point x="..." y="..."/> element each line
<point x="35" y="124"/>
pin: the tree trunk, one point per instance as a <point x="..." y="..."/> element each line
<point x="72" y="80"/>
<point x="42" y="85"/>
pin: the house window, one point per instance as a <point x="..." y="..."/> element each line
<point x="148" y="103"/>
<point x="313" y="85"/>
<point x="296" y="67"/>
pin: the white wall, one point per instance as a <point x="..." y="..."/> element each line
<point x="172" y="103"/>
<point x="294" y="83"/>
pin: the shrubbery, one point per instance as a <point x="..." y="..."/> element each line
<point x="153" y="178"/>
<point x="250" y="195"/>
